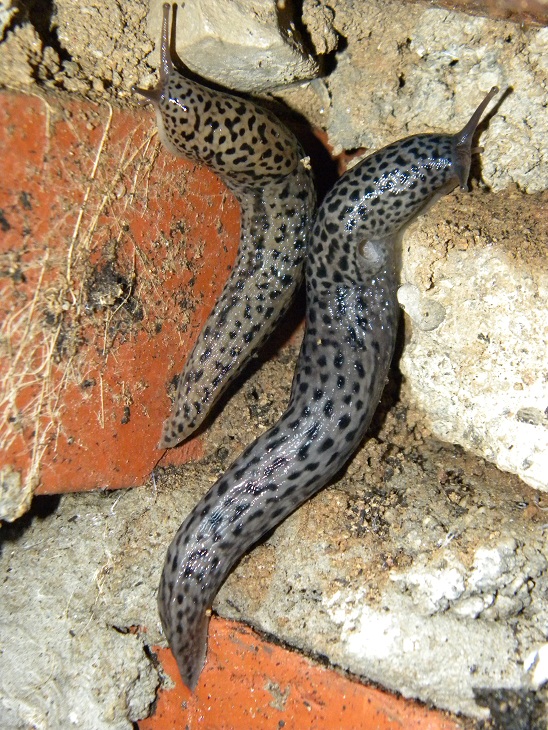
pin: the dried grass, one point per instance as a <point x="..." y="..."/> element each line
<point x="34" y="375"/>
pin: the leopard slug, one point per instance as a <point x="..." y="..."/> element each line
<point x="263" y="164"/>
<point x="352" y="314"/>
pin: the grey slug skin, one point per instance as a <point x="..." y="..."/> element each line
<point x="352" y="315"/>
<point x="263" y="164"/>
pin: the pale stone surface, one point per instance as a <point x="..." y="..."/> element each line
<point x="427" y="314"/>
<point x="488" y="53"/>
<point x="14" y="498"/>
<point x="7" y="11"/>
<point x="245" y="45"/>
<point x="62" y="664"/>
<point x="537" y="663"/>
<point x="480" y="376"/>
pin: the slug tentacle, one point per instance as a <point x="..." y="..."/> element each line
<point x="166" y="63"/>
<point x="263" y="164"/>
<point x="352" y="314"/>
<point x="462" y="141"/>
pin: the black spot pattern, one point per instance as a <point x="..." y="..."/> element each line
<point x="261" y="161"/>
<point x="352" y="316"/>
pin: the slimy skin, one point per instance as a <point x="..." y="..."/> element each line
<point x="352" y="315"/>
<point x="263" y="164"/>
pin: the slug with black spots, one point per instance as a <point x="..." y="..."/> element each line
<point x="265" y="167"/>
<point x="351" y="322"/>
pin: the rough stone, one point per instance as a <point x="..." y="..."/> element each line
<point x="62" y="663"/>
<point x="258" y="36"/>
<point x="479" y="376"/>
<point x="7" y="11"/>
<point x="14" y="498"/>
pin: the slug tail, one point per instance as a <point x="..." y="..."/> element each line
<point x="174" y="431"/>
<point x="191" y="657"/>
<point x="462" y="141"/>
<point x="186" y="631"/>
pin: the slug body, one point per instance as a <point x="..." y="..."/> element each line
<point x="263" y="164"/>
<point x="352" y="314"/>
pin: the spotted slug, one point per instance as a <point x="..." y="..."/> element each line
<point x="263" y="164"/>
<point x="351" y="321"/>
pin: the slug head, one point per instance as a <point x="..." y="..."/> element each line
<point x="233" y="136"/>
<point x="173" y="99"/>
<point x="369" y="207"/>
<point x="462" y="142"/>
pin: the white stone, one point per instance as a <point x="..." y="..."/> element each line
<point x="479" y="48"/>
<point x="471" y="607"/>
<point x="434" y="649"/>
<point x="432" y="589"/>
<point x="245" y="45"/>
<point x="7" y="11"/>
<point x="480" y="376"/>
<point x="537" y="664"/>
<point x="427" y="314"/>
